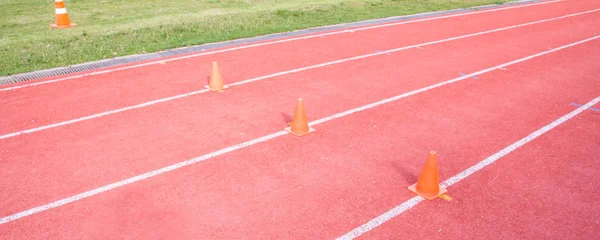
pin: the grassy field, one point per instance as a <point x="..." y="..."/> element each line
<point x="110" y="28"/>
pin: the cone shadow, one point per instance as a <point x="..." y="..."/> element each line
<point x="409" y="175"/>
<point x="286" y="118"/>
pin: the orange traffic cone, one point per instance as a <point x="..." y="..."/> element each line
<point x="62" y="17"/>
<point x="299" y="126"/>
<point x="216" y="82"/>
<point x="428" y="185"/>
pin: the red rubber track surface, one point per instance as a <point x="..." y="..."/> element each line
<point x="76" y="98"/>
<point x="351" y="169"/>
<point x="544" y="190"/>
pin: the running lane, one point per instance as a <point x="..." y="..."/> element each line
<point x="42" y="105"/>
<point x="349" y="171"/>
<point x="61" y="162"/>
<point x="547" y="189"/>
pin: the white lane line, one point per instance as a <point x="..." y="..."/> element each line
<point x="45" y="127"/>
<point x="108" y="187"/>
<point x="268" y="43"/>
<point x="394" y="212"/>
<point x="37" y="129"/>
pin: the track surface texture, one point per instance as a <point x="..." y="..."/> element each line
<point x="507" y="97"/>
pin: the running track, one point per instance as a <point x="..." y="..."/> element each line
<point x="507" y="97"/>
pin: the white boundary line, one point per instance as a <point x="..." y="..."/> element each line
<point x="269" y="43"/>
<point x="97" y="115"/>
<point x="146" y="175"/>
<point x="394" y="212"/>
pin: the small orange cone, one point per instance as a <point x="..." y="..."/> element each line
<point x="428" y="185"/>
<point x="62" y="17"/>
<point x="216" y="82"/>
<point x="299" y="126"/>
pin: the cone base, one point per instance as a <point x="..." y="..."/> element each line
<point x="289" y="129"/>
<point x="63" y="26"/>
<point x="413" y="188"/>
<point x="224" y="87"/>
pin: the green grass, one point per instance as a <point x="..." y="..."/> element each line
<point x="110" y="28"/>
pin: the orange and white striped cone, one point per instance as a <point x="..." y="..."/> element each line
<point x="62" y="17"/>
